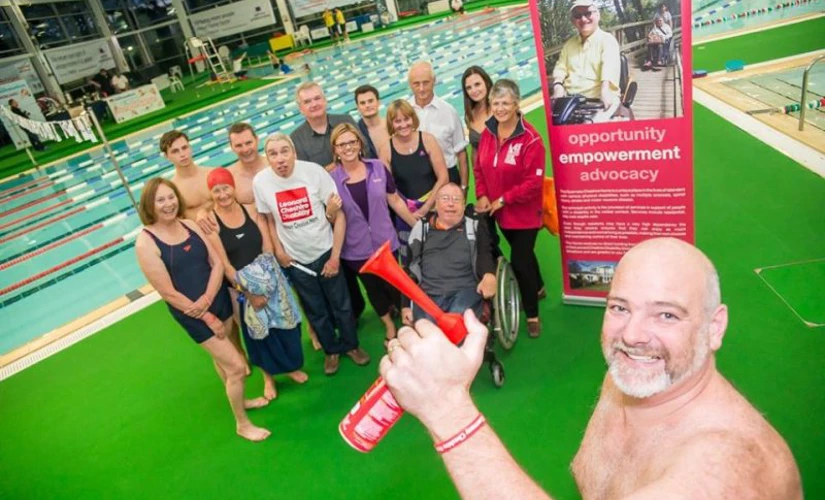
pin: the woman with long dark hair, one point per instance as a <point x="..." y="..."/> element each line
<point x="476" y="85"/>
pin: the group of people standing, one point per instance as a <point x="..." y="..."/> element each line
<point x="226" y="247"/>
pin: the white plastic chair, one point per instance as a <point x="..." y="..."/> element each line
<point x="302" y="35"/>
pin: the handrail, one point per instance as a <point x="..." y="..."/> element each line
<point x="624" y="47"/>
<point x="803" y="105"/>
<point x="678" y="90"/>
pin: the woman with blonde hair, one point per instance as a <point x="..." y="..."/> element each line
<point x="367" y="192"/>
<point x="416" y="163"/>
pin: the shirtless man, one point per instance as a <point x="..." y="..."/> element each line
<point x="244" y="143"/>
<point x="371" y="125"/>
<point x="189" y="178"/>
<point x="667" y="424"/>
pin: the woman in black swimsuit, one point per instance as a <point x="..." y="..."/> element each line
<point x="416" y="162"/>
<point x="186" y="272"/>
<point x="241" y="237"/>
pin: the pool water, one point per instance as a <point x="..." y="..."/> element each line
<point x="67" y="231"/>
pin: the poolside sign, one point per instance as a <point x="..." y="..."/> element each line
<point x="135" y="102"/>
<point x="621" y="136"/>
<point x="233" y="19"/>
<point x="18" y="89"/>
<point x="80" y="60"/>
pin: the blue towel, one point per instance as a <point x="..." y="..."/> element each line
<point x="265" y="277"/>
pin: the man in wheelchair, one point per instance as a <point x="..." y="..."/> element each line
<point x="587" y="76"/>
<point x="452" y="257"/>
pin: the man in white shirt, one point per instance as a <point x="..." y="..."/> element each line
<point x="439" y="118"/>
<point x="292" y="194"/>
<point x="120" y="82"/>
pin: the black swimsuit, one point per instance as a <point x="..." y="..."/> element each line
<point x="188" y="266"/>
<point x="242" y="244"/>
<point x="413" y="173"/>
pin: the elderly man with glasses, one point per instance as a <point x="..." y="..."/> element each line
<point x="452" y="257"/>
<point x="589" y="63"/>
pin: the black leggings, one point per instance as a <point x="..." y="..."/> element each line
<point x="382" y="295"/>
<point x="355" y="296"/>
<point x="526" y="266"/>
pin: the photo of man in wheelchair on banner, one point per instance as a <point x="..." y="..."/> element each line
<point x="455" y="259"/>
<point x="590" y="81"/>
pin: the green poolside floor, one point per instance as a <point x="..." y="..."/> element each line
<point x="136" y="410"/>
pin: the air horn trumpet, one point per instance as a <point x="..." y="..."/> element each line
<point x="377" y="411"/>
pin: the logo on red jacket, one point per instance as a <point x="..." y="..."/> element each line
<point x="512" y="152"/>
<point x="293" y="205"/>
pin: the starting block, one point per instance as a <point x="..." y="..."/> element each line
<point x="734" y="65"/>
<point x="700" y="73"/>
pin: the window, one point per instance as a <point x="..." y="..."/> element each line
<point x="166" y="46"/>
<point x="131" y="50"/>
<point x="60" y="23"/>
<point x="151" y="12"/>
<point x="80" y="27"/>
<point x="9" y="44"/>
<point x="47" y="32"/>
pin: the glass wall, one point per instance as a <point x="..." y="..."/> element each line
<point x="148" y="31"/>
<point x="60" y="23"/>
<point x="166" y="46"/>
<point x="130" y="15"/>
<point x="9" y="44"/>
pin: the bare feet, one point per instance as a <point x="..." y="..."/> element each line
<point x="270" y="392"/>
<point x="314" y="338"/>
<point x="253" y="433"/>
<point x="299" y="376"/>
<point x="252" y="404"/>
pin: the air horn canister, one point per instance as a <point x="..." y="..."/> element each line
<point x="376" y="412"/>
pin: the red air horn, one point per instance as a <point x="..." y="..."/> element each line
<point x="377" y="411"/>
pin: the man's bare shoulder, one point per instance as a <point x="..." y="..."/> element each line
<point x="729" y="463"/>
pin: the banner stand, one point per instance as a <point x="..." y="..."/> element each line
<point x="620" y="127"/>
<point x="112" y="156"/>
<point x="31" y="157"/>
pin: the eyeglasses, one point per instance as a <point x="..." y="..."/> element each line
<point x="584" y="13"/>
<point x="348" y="144"/>
<point x="454" y="198"/>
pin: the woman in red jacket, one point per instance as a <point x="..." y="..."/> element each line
<point x="509" y="173"/>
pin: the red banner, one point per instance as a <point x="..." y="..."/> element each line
<point x="620" y="128"/>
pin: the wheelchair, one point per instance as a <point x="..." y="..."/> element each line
<point x="502" y="312"/>
<point x="503" y="322"/>
<point x="578" y="109"/>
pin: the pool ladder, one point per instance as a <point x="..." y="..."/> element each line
<point x="803" y="101"/>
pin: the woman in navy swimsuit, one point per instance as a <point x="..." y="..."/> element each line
<point x="186" y="272"/>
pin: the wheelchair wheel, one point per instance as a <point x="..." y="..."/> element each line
<point x="507" y="305"/>
<point x="497" y="371"/>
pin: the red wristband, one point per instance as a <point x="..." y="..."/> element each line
<point x="465" y="434"/>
